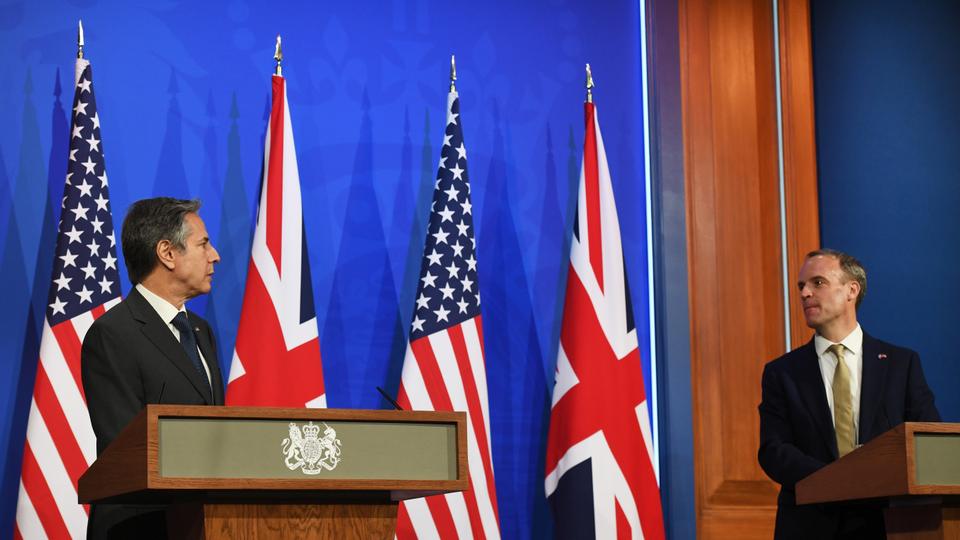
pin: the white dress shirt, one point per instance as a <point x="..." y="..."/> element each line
<point x="853" y="356"/>
<point x="168" y="311"/>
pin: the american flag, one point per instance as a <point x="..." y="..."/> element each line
<point x="444" y="368"/>
<point x="86" y="282"/>
<point x="276" y="361"/>
<point x="599" y="473"/>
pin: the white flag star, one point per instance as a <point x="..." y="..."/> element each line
<point x="446" y="214"/>
<point x="74" y="234"/>
<point x="467" y="284"/>
<point x="453" y="270"/>
<point x="77" y="132"/>
<point x="94" y="248"/>
<point x="452" y="193"/>
<point x="453" y="118"/>
<point x="423" y="302"/>
<point x="73" y="154"/>
<point x="418" y="323"/>
<point x="63" y="282"/>
<point x="446" y="140"/>
<point x="442" y="314"/>
<point x="441" y="236"/>
<point x="463" y="228"/>
<point x="58" y="306"/>
<point x="85" y="295"/>
<point x="89" y="271"/>
<point x="457" y="249"/>
<point x="80" y="212"/>
<point x="467" y="207"/>
<point x="105" y="285"/>
<point x="463" y="305"/>
<point x="462" y="150"/>
<point x="96" y="121"/>
<point x="97" y="225"/>
<point x="89" y="164"/>
<point x="428" y="280"/>
<point x="471" y="263"/>
<point x="85" y="188"/>
<point x="84" y="85"/>
<point x="103" y="179"/>
<point x="109" y="261"/>
<point x="457" y="172"/>
<point x="69" y="259"/>
<point x="434" y="257"/>
<point x="94" y="144"/>
<point x="447" y="291"/>
<point x="101" y="202"/>
<point x="81" y="108"/>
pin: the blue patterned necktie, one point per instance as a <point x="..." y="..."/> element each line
<point x="189" y="343"/>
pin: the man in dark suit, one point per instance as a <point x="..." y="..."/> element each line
<point x="149" y="348"/>
<point x="839" y="391"/>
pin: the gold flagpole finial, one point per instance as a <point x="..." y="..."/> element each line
<point x="79" y="38"/>
<point x="589" y="85"/>
<point x="453" y="73"/>
<point x="278" y="56"/>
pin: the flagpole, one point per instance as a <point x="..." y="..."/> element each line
<point x="278" y="56"/>
<point x="79" y="38"/>
<point x="453" y="73"/>
<point x="589" y="84"/>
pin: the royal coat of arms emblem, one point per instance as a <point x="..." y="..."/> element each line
<point x="307" y="450"/>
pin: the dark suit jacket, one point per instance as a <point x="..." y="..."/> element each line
<point x="797" y="435"/>
<point x="129" y="357"/>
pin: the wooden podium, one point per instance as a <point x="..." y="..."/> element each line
<point x="914" y="467"/>
<point x="243" y="472"/>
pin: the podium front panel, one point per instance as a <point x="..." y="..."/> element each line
<point x="937" y="459"/>
<point x="264" y="448"/>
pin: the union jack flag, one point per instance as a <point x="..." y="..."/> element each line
<point x="444" y="367"/>
<point x="276" y="361"/>
<point x="599" y="473"/>
<point x="85" y="283"/>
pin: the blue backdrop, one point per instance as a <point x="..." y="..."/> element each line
<point x="183" y="93"/>
<point x="888" y="125"/>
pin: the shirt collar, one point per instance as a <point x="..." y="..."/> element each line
<point x="166" y="310"/>
<point x="853" y="342"/>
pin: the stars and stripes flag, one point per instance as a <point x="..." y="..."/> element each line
<point x="444" y="367"/>
<point x="600" y="477"/>
<point x="85" y="283"/>
<point x="276" y="361"/>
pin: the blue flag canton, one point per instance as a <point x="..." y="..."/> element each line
<point x="85" y="273"/>
<point x="448" y="293"/>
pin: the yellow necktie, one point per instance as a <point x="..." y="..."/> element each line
<point x="842" y="403"/>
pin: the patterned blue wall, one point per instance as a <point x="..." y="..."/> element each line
<point x="183" y="92"/>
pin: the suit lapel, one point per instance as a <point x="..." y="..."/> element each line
<point x="210" y="355"/>
<point x="871" y="386"/>
<point x="160" y="335"/>
<point x="810" y="383"/>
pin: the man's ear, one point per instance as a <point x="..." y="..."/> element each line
<point x="854" y="290"/>
<point x="165" y="250"/>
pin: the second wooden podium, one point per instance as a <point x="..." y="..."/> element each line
<point x="240" y="472"/>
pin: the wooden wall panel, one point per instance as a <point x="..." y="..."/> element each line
<point x="728" y="80"/>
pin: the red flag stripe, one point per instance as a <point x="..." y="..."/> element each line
<point x="430" y="371"/>
<point x="274" y="187"/>
<point x="52" y="414"/>
<point x="592" y="186"/>
<point x="39" y="492"/>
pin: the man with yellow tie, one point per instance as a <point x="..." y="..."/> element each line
<point x="838" y="391"/>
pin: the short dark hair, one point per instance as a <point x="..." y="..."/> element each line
<point x="149" y="221"/>
<point x="849" y="265"/>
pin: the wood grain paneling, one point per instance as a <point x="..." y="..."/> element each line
<point x="728" y="72"/>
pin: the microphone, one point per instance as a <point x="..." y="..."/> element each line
<point x="390" y="399"/>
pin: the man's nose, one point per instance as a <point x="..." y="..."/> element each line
<point x="215" y="256"/>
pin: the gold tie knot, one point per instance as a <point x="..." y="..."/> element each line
<point x="837" y="350"/>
